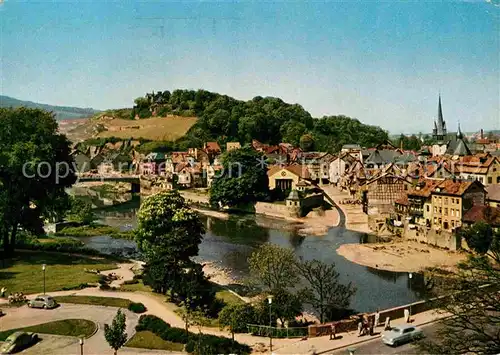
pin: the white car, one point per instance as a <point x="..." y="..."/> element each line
<point x="401" y="334"/>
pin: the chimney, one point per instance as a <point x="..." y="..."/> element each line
<point x="482" y="134"/>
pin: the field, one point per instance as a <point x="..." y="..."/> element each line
<point x="154" y="128"/>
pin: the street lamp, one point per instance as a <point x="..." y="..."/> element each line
<point x="81" y="346"/>
<point x="43" y="268"/>
<point x="410" y="276"/>
<point x="270" y="300"/>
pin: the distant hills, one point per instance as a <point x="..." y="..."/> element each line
<point x="61" y="112"/>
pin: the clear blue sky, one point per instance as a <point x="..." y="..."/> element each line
<point x="381" y="62"/>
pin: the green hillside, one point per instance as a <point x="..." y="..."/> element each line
<point x="61" y="112"/>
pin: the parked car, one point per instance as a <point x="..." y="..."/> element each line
<point x="401" y="334"/>
<point x="43" y="301"/>
<point x="18" y="341"/>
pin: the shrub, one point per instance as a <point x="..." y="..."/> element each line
<point x="207" y="344"/>
<point x="137" y="277"/>
<point x="105" y="287"/>
<point x="79" y="287"/>
<point x="175" y="335"/>
<point x="151" y="323"/>
<point x="137" y="307"/>
<point x="131" y="282"/>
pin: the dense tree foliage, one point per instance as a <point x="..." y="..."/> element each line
<point x="236" y="317"/>
<point x="168" y="235"/>
<point x="269" y="120"/>
<point x="474" y="306"/>
<point x="35" y="168"/>
<point x="326" y="293"/>
<point x="408" y="143"/>
<point x="243" y="179"/>
<point x="80" y="211"/>
<point x="481" y="238"/>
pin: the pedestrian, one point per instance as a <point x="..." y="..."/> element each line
<point x="371" y="328"/>
<point x="407" y="315"/>
<point x="387" y="323"/>
<point x="2" y="293"/>
<point x="360" y="328"/>
<point x="377" y="318"/>
<point x="332" y="332"/>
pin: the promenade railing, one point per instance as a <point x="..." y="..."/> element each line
<point x="266" y="331"/>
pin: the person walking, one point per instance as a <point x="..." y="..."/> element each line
<point x="377" y="318"/>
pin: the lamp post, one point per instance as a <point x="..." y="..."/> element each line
<point x="43" y="268"/>
<point x="270" y="300"/>
<point x="81" y="346"/>
<point x="410" y="276"/>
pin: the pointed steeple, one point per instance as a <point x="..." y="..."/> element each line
<point x="459" y="133"/>
<point x="440" y="115"/>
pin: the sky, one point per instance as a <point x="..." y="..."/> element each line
<point x="382" y="62"/>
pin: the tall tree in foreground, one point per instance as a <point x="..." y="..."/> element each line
<point x="115" y="334"/>
<point x="244" y="179"/>
<point x="328" y="296"/>
<point x="474" y="305"/>
<point x="35" y="168"/>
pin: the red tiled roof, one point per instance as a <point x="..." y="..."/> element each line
<point x="403" y="200"/>
<point x="453" y="187"/>
<point x="425" y="191"/>
<point x="484" y="214"/>
<point x="212" y="146"/>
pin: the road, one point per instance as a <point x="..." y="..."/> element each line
<point x="377" y="347"/>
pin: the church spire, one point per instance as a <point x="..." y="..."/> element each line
<point x="459" y="134"/>
<point x="440" y="114"/>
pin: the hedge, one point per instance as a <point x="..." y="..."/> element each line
<point x="210" y="344"/>
<point x="137" y="307"/>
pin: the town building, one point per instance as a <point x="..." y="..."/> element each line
<point x="493" y="195"/>
<point x="232" y="146"/>
<point x="287" y="177"/>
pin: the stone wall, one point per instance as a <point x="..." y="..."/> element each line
<point x="273" y="209"/>
<point x="441" y="239"/>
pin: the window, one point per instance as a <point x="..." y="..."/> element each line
<point x="408" y="330"/>
<point x="428" y="208"/>
<point x="435" y="209"/>
<point x="481" y="180"/>
<point x="445" y="225"/>
<point x="446" y="211"/>
<point x="435" y="220"/>
<point x="452" y="224"/>
<point x="490" y="180"/>
<point x="440" y="210"/>
<point x="458" y="214"/>
<point x="452" y="211"/>
<point x="498" y="179"/>
<point x="446" y="200"/>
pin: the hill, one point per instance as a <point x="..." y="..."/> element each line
<point x="61" y="112"/>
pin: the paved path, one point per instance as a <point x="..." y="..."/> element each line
<point x="123" y="272"/>
<point x="25" y="316"/>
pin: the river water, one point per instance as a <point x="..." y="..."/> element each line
<point x="230" y="242"/>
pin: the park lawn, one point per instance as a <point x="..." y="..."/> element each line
<point x="228" y="297"/>
<point x="138" y="287"/>
<point x="95" y="230"/>
<point x="149" y="340"/>
<point x="68" y="327"/>
<point x="95" y="300"/>
<point x="23" y="272"/>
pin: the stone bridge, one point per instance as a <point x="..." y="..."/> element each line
<point x="133" y="180"/>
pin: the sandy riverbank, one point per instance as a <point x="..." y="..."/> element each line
<point x="399" y="256"/>
<point x="218" y="275"/>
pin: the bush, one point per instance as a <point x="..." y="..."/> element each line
<point x="207" y="344"/>
<point x="131" y="282"/>
<point x="105" y="287"/>
<point x="137" y="277"/>
<point x="137" y="307"/>
<point x="79" y="287"/>
<point x="175" y="335"/>
<point x="151" y="323"/>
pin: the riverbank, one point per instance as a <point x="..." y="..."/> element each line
<point x="400" y="256"/>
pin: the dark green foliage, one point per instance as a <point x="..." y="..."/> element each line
<point x="79" y="287"/>
<point x="244" y="179"/>
<point x="212" y="344"/>
<point x="137" y="307"/>
<point x="158" y="146"/>
<point x="101" y="141"/>
<point x="80" y="211"/>
<point x="408" y="143"/>
<point x="236" y="317"/>
<point x="29" y="191"/>
<point x="131" y="282"/>
<point x="286" y="306"/>
<point x="479" y="237"/>
<point x="151" y="323"/>
<point x="269" y="120"/>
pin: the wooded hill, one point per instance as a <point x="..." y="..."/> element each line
<point x="268" y="119"/>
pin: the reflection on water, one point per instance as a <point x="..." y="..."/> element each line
<point x="230" y="243"/>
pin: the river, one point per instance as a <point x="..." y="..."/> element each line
<point x="230" y="242"/>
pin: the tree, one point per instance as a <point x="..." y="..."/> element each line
<point x="115" y="334"/>
<point x="286" y="306"/>
<point x="35" y="169"/>
<point x="292" y="131"/>
<point x="307" y="142"/>
<point x="243" y="180"/>
<point x="80" y="211"/>
<point x="273" y="267"/>
<point x="474" y="305"/>
<point x="326" y="293"/>
<point x="236" y="317"/>
<point x="167" y="227"/>
<point x="479" y="237"/>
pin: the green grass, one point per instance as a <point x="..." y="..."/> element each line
<point x="94" y="300"/>
<point x="95" y="230"/>
<point x="149" y="340"/>
<point x="68" y="327"/>
<point x="228" y="297"/>
<point x="138" y="287"/>
<point x="23" y="272"/>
